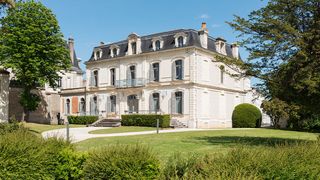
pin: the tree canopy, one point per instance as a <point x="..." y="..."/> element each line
<point x="283" y="40"/>
<point x="32" y="45"/>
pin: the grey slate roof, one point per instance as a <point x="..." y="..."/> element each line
<point x="75" y="64"/>
<point x="193" y="39"/>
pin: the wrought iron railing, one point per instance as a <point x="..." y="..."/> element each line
<point x="127" y="83"/>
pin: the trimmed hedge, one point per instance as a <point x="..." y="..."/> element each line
<point x="122" y="162"/>
<point x="82" y="119"/>
<point x="149" y="120"/>
<point x="246" y="116"/>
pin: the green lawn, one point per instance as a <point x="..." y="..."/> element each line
<point x="216" y="141"/>
<point x="39" y="128"/>
<point x="123" y="129"/>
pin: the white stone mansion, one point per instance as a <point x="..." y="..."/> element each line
<point x="172" y="72"/>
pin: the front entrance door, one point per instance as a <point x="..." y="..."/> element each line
<point x="133" y="104"/>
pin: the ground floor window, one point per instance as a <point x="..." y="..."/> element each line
<point x="113" y="103"/>
<point x="178" y="102"/>
<point x="82" y="106"/>
<point x="67" y="106"/>
<point x="94" y="106"/>
<point x="155" y="102"/>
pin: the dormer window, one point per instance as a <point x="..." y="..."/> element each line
<point x="158" y="45"/>
<point x="221" y="45"/>
<point x="98" y="54"/>
<point x="180" y="41"/>
<point x="115" y="52"/>
<point x="134" y="48"/>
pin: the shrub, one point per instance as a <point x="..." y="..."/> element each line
<point x="122" y="162"/>
<point x="246" y="116"/>
<point x="82" y="119"/>
<point x="24" y="155"/>
<point x="298" y="161"/>
<point x="10" y="127"/>
<point x="149" y="120"/>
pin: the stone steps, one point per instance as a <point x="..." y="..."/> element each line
<point x="107" y="123"/>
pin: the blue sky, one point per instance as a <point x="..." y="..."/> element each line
<point x="92" y="21"/>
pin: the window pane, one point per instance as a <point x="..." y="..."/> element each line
<point x="155" y="71"/>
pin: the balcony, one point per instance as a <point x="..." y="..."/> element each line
<point x="128" y="83"/>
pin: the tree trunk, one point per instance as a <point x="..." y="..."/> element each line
<point x="25" y="115"/>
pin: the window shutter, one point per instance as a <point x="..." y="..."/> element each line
<point x="173" y="103"/>
<point x="151" y="73"/>
<point x="91" y="106"/>
<point x="109" y="104"/>
<point x="173" y="70"/>
<point x="182" y="103"/>
<point x="91" y="78"/>
<point x="151" y="104"/>
<point x="182" y="69"/>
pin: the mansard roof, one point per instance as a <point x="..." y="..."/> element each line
<point x="75" y="64"/>
<point x="193" y="39"/>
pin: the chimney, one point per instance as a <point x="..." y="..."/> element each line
<point x="101" y="43"/>
<point x="235" y="50"/>
<point x="71" y="49"/>
<point x="203" y="33"/>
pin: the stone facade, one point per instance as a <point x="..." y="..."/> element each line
<point x="174" y="73"/>
<point x="4" y="96"/>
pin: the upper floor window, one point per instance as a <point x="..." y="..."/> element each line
<point x="59" y="82"/>
<point x="222" y="70"/>
<point x="132" y="72"/>
<point x="94" y="78"/>
<point x="67" y="106"/>
<point x="134" y="47"/>
<point x="180" y="41"/>
<point x="178" y="70"/>
<point x="155" y="71"/>
<point x="112" y="76"/>
<point x="158" y="45"/>
<point x="115" y="52"/>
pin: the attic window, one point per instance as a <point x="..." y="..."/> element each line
<point x="158" y="45"/>
<point x="180" y="41"/>
<point x="115" y="52"/>
<point x="98" y="54"/>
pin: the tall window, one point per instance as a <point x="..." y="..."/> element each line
<point x="134" y="47"/>
<point x="115" y="52"/>
<point x="132" y="72"/>
<point x="59" y="83"/>
<point x="95" y="78"/>
<point x="112" y="76"/>
<point x="68" y="106"/>
<point x="155" y="72"/>
<point x="158" y="45"/>
<point x="222" y="69"/>
<point x="178" y="70"/>
<point x="94" y="106"/>
<point x="155" y="102"/>
<point x="82" y="106"/>
<point x="179" y="102"/>
<point x="113" y="102"/>
<point x="180" y="41"/>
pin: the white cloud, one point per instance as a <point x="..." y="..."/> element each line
<point x="215" y="25"/>
<point x="204" y="16"/>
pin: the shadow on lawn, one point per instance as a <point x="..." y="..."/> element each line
<point x="251" y="141"/>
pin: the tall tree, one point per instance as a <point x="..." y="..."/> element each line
<point x="283" y="40"/>
<point x="6" y="3"/>
<point x="32" y="45"/>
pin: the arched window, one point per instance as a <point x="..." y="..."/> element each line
<point x="94" y="106"/>
<point x="177" y="102"/>
<point x="158" y="45"/>
<point x="115" y="52"/>
<point x="82" y="106"/>
<point x="155" y="72"/>
<point x="113" y="103"/>
<point x="68" y="106"/>
<point x="177" y="69"/>
<point x="134" y="47"/>
<point x="180" y="41"/>
<point x="155" y="102"/>
<point x="222" y="69"/>
<point x="112" y="76"/>
<point x="98" y="54"/>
